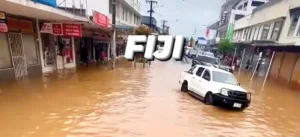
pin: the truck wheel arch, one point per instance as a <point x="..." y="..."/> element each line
<point x="206" y="96"/>
<point x="185" y="82"/>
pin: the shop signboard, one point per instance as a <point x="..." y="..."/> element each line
<point x="2" y="16"/>
<point x="26" y="26"/>
<point x="3" y="27"/>
<point x="100" y="19"/>
<point x="229" y="34"/>
<point x="57" y="29"/>
<point x="13" y="24"/>
<point x="47" y="28"/>
<point x="74" y="30"/>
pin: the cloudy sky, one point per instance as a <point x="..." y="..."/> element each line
<point x="184" y="16"/>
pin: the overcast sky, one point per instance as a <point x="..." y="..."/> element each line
<point x="184" y="16"/>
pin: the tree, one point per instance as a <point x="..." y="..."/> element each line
<point x="191" y="42"/>
<point x="225" y="46"/>
<point x="142" y="30"/>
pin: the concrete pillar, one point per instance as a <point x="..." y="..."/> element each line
<point x="39" y="40"/>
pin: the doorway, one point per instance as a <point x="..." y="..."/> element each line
<point x="17" y="54"/>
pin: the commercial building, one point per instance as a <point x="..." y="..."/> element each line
<point x="231" y="11"/>
<point x="273" y="26"/>
<point x="127" y="18"/>
<point x="21" y="41"/>
<point x="40" y="36"/>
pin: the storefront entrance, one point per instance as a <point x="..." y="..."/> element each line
<point x="58" y="52"/>
<point x="98" y="47"/>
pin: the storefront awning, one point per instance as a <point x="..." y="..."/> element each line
<point x="124" y="27"/>
<point x="36" y="10"/>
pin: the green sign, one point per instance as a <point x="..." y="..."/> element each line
<point x="229" y="34"/>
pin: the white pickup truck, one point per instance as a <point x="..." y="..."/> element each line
<point x="214" y="86"/>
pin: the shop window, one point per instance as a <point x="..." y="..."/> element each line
<point x="123" y="17"/>
<point x="30" y="49"/>
<point x="5" y="58"/>
<point x="258" y="31"/>
<point x="276" y="30"/>
<point x="246" y="33"/>
<point x="265" y="32"/>
<point x="68" y="50"/>
<point x="294" y="22"/>
<point x="257" y="3"/>
<point x="249" y="34"/>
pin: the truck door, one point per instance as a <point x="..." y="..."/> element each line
<point x="205" y="82"/>
<point x="197" y="79"/>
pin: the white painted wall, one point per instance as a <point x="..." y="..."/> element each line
<point x="102" y="6"/>
<point x="294" y="4"/>
<point x="272" y="12"/>
<point x="242" y="23"/>
<point x="284" y="38"/>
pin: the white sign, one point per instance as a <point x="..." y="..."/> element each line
<point x="171" y="48"/>
<point x="47" y="28"/>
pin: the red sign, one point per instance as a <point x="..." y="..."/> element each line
<point x="26" y="26"/>
<point x="100" y="19"/>
<point x="13" y="24"/>
<point x="3" y="27"/>
<point x="57" y="29"/>
<point x="207" y="33"/>
<point x="72" y="30"/>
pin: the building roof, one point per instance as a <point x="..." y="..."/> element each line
<point x="146" y="20"/>
<point x="214" y="26"/>
<point x="270" y="3"/>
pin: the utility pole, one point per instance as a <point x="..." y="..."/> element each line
<point x="164" y="26"/>
<point x="151" y="10"/>
<point x="113" y="40"/>
<point x="150" y="20"/>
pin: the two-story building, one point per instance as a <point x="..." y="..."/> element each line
<point x="273" y="27"/>
<point x="231" y="11"/>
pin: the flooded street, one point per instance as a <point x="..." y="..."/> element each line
<point x="138" y="102"/>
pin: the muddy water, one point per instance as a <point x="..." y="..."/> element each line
<point x="129" y="102"/>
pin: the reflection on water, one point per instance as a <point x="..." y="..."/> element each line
<point x="128" y="102"/>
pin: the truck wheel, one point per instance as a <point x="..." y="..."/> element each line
<point x="184" y="87"/>
<point x="208" y="100"/>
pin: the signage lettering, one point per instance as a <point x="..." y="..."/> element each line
<point x="172" y="49"/>
<point x="72" y="30"/>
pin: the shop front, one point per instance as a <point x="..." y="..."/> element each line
<point x="58" y="45"/>
<point x="101" y="43"/>
<point x="18" y="47"/>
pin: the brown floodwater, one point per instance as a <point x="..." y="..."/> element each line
<point x="128" y="102"/>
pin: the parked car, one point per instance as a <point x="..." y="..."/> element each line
<point x="192" y="53"/>
<point x="202" y="60"/>
<point x="203" y="53"/>
<point x="214" y="86"/>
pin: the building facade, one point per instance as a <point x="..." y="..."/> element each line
<point x="273" y="27"/>
<point x="41" y="36"/>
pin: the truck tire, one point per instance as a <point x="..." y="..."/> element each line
<point x="184" y="87"/>
<point x="208" y="100"/>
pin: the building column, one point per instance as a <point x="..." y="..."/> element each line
<point x="73" y="51"/>
<point x="39" y="39"/>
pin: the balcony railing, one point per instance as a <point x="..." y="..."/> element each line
<point x="74" y="7"/>
<point x="134" y="4"/>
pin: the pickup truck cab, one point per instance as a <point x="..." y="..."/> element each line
<point x="214" y="86"/>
